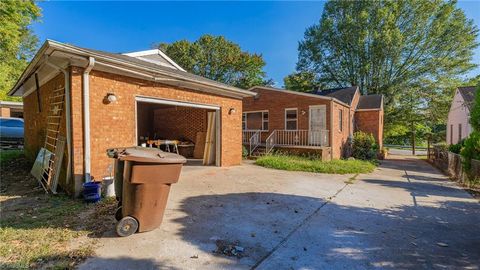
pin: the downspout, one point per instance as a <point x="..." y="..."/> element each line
<point x="331" y="129"/>
<point x="68" y="115"/>
<point x="86" y="117"/>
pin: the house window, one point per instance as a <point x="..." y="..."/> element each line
<point x="244" y="121"/>
<point x="451" y="134"/>
<point x="459" y="132"/>
<point x="340" y="119"/>
<point x="291" y="119"/>
<point x="255" y="120"/>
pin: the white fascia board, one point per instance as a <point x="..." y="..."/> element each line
<point x="175" y="103"/>
<point x="221" y="89"/>
<point x="298" y="93"/>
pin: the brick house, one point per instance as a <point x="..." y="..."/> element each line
<point x="11" y="109"/>
<point x="115" y="100"/>
<point x="318" y="121"/>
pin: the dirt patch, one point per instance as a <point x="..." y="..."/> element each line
<point x="39" y="230"/>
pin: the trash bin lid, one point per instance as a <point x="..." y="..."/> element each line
<point x="151" y="155"/>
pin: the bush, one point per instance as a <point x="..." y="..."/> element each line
<point x="244" y="151"/>
<point x="471" y="149"/>
<point x="456" y="148"/>
<point x="364" y="146"/>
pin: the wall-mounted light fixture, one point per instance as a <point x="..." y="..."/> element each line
<point x="303" y="112"/>
<point x="111" y="98"/>
<point x="231" y="111"/>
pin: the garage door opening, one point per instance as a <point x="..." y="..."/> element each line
<point x="191" y="130"/>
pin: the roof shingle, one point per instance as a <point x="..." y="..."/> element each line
<point x="343" y="94"/>
<point x="468" y="95"/>
<point x="370" y="102"/>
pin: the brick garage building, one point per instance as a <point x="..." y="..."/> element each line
<point x="318" y="121"/>
<point x="116" y="100"/>
<point x="11" y="109"/>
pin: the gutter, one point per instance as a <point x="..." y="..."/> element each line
<point x="68" y="116"/>
<point x="86" y="117"/>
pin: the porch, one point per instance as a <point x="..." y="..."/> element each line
<point x="299" y="141"/>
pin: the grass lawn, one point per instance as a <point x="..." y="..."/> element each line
<point x="38" y="230"/>
<point x="296" y="163"/>
<point x="6" y="155"/>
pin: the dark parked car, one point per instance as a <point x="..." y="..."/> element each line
<point x="11" y="132"/>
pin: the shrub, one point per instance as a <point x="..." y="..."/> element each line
<point x="456" y="148"/>
<point x="244" y="151"/>
<point x="364" y="146"/>
<point x="471" y="149"/>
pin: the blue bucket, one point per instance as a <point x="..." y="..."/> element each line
<point x="92" y="191"/>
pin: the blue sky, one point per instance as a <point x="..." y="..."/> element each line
<point x="272" y="29"/>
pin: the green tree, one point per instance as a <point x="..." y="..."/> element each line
<point x="386" y="46"/>
<point x="392" y="48"/>
<point x="219" y="59"/>
<point x="17" y="42"/>
<point x="303" y="81"/>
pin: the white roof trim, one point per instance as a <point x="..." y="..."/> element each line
<point x="134" y="68"/>
<point x="298" y="93"/>
<point x="139" y="54"/>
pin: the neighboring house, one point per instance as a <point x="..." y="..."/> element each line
<point x="11" y="109"/>
<point x="102" y="100"/>
<point x="458" y="123"/>
<point x="322" y="121"/>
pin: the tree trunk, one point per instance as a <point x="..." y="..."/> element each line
<point x="413" y="143"/>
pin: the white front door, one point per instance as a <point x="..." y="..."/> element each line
<point x="318" y="125"/>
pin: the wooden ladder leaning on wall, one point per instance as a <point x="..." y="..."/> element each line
<point x="53" y="141"/>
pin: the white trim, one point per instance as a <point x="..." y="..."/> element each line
<point x="175" y="103"/>
<point x="142" y="53"/>
<point x="139" y="55"/>
<point x="367" y="110"/>
<point x="309" y="117"/>
<point x="291" y="120"/>
<point x="298" y="93"/>
<point x="51" y="47"/>
<point x="263" y="120"/>
<point x="218" y="124"/>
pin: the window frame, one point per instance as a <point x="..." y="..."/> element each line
<point x="245" y="120"/>
<point x="340" y="118"/>
<point x="291" y="120"/>
<point x="459" y="132"/>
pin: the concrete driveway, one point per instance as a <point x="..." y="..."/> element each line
<point x="404" y="215"/>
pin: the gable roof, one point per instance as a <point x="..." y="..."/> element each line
<point x="468" y="95"/>
<point x="343" y="94"/>
<point x="155" y="56"/>
<point x="370" y="102"/>
<point x="66" y="54"/>
<point x="308" y="94"/>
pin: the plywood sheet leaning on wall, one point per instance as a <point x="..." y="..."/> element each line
<point x="209" y="154"/>
<point x="199" y="145"/>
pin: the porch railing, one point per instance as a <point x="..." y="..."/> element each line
<point x="296" y="138"/>
<point x="254" y="142"/>
<point x="247" y="134"/>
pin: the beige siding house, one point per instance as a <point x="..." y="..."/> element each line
<point x="458" y="123"/>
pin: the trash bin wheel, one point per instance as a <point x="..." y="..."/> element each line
<point x="118" y="213"/>
<point x="127" y="226"/>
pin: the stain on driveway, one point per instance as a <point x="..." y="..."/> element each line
<point x="404" y="215"/>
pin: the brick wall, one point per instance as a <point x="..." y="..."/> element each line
<point x="276" y="102"/>
<point x="180" y="123"/>
<point x="113" y="125"/>
<point x="340" y="134"/>
<point x="4" y="112"/>
<point x="370" y="122"/>
<point x="36" y="123"/>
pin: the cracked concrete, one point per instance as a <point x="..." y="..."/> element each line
<point x="404" y="215"/>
